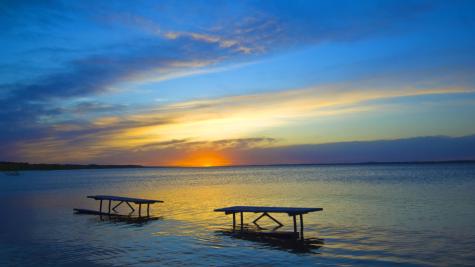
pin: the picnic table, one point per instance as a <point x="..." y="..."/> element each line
<point x="291" y="211"/>
<point x="121" y="200"/>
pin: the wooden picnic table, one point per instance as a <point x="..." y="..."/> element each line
<point x="126" y="200"/>
<point x="291" y="211"/>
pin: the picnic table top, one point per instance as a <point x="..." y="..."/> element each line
<point x="288" y="210"/>
<point x="125" y="199"/>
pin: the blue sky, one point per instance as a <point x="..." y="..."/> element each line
<point x="94" y="80"/>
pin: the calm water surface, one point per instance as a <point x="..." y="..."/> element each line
<point x="379" y="215"/>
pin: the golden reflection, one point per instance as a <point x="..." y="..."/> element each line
<point x="193" y="201"/>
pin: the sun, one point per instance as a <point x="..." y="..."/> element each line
<point x="203" y="158"/>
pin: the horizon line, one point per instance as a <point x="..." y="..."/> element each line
<point x="132" y="166"/>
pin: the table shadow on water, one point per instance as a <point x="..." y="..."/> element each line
<point x="275" y="240"/>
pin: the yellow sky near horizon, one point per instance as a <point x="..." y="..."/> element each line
<point x="208" y="120"/>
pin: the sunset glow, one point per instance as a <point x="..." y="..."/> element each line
<point x="136" y="86"/>
<point x="202" y="159"/>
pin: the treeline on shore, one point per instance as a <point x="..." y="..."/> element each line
<point x="23" y="166"/>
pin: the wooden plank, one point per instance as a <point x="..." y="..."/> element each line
<point x="95" y="212"/>
<point x="127" y="199"/>
<point x="127" y="218"/>
<point x="289" y="210"/>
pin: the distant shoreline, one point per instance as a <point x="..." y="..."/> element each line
<point x="24" y="166"/>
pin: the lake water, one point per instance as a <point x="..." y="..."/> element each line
<point x="381" y="215"/>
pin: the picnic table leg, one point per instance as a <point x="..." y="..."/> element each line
<point x="110" y="206"/>
<point x="295" y="224"/>
<point x="234" y="221"/>
<point x="100" y="206"/>
<point x="148" y="209"/>
<point x="301" y="227"/>
<point x="275" y="220"/>
<point x="115" y="207"/>
<point x="258" y="218"/>
<point x="242" y="221"/>
<point x="270" y="217"/>
<point x="130" y="206"/>
<point x="140" y="209"/>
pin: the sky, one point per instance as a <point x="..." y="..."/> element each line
<point x="211" y="83"/>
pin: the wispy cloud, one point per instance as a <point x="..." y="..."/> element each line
<point x="176" y="70"/>
<point x="203" y="122"/>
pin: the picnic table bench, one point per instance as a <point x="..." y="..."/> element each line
<point x="291" y="211"/>
<point x="121" y="200"/>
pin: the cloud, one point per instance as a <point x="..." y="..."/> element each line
<point x="433" y="148"/>
<point x="203" y="124"/>
<point x="97" y="73"/>
<point x="25" y="106"/>
<point x="177" y="70"/>
<point x="85" y="107"/>
<point x="184" y="144"/>
<point x="177" y="153"/>
<point x="266" y="28"/>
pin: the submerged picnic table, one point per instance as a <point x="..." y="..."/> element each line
<point x="265" y="212"/>
<point x="126" y="200"/>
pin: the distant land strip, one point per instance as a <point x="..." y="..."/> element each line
<point x="25" y="166"/>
